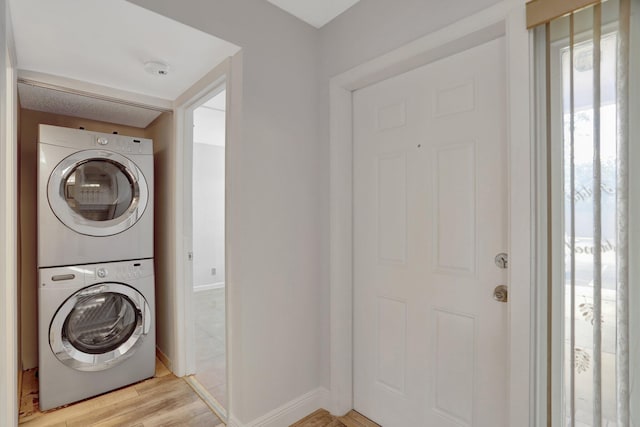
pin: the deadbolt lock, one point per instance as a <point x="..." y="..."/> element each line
<point x="502" y="260"/>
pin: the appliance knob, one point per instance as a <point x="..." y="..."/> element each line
<point x="102" y="140"/>
<point x="102" y="273"/>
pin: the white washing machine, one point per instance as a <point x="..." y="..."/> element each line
<point x="95" y="197"/>
<point x="96" y="329"/>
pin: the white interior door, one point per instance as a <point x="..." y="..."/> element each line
<point x="430" y="342"/>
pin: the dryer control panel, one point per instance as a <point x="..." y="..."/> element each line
<point x="125" y="144"/>
<point x="84" y="139"/>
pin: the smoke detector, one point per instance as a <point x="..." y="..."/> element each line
<point x="156" y="68"/>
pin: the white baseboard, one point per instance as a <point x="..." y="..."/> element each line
<point x="290" y="412"/>
<point x="219" y="285"/>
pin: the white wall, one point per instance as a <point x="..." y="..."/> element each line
<point x="282" y="172"/>
<point x="276" y="225"/>
<point x="208" y="214"/>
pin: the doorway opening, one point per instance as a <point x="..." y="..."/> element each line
<point x="207" y="358"/>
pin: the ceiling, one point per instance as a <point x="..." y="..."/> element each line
<point x="74" y="105"/>
<point x="314" y="12"/>
<point x="107" y="42"/>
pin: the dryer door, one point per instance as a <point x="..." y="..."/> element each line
<point x="97" y="192"/>
<point x="99" y="326"/>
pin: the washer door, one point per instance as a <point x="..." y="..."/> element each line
<point x="97" y="192"/>
<point x="99" y="326"/>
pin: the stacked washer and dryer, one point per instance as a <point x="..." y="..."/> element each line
<point x="96" y="303"/>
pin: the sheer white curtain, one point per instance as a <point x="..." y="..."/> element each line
<point x="588" y="95"/>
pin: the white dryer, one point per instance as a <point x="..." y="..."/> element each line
<point x="95" y="197"/>
<point x="96" y="329"/>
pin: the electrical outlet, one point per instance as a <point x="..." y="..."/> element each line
<point x="213" y="271"/>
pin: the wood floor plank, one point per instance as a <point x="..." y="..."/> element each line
<point x="193" y="414"/>
<point x="204" y="420"/>
<point x="356" y="419"/>
<point x="46" y="423"/>
<point x="161" y="369"/>
<point x="29" y="395"/>
<point x="154" y="384"/>
<point x="319" y="418"/>
<point x="161" y="401"/>
<point x="80" y="409"/>
<point x="322" y="418"/>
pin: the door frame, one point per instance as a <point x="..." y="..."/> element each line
<point x="229" y="75"/>
<point x="507" y="19"/>
<point x="187" y="199"/>
<point x="9" y="362"/>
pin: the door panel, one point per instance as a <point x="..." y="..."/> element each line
<point x="429" y="218"/>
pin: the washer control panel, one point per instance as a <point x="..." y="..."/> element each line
<point x="123" y="271"/>
<point x="90" y="274"/>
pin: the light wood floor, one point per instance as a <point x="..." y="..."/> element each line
<point x="164" y="400"/>
<point x="322" y="418"/>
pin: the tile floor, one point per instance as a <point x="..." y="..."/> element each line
<point x="210" y="342"/>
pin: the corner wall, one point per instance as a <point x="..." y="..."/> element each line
<point x="161" y="131"/>
<point x="274" y="273"/>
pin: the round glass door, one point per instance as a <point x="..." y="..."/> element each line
<point x="100" y="323"/>
<point x="99" y="326"/>
<point x="97" y="193"/>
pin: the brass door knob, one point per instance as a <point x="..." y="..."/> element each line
<point x="501" y="293"/>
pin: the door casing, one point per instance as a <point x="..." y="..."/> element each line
<point x="503" y="19"/>
<point x="9" y="363"/>
<point x="227" y="75"/>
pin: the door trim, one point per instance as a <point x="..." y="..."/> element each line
<point x="9" y="361"/>
<point x="229" y="73"/>
<point x="503" y="19"/>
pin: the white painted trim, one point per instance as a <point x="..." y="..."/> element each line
<point x="505" y="18"/>
<point x="9" y="401"/>
<point x="206" y="397"/>
<point x="232" y="288"/>
<point x="208" y="287"/>
<point x="208" y="91"/>
<point x="101" y="91"/>
<point x="290" y="412"/>
<point x="521" y="219"/>
<point x="228" y="73"/>
<point x="182" y="107"/>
